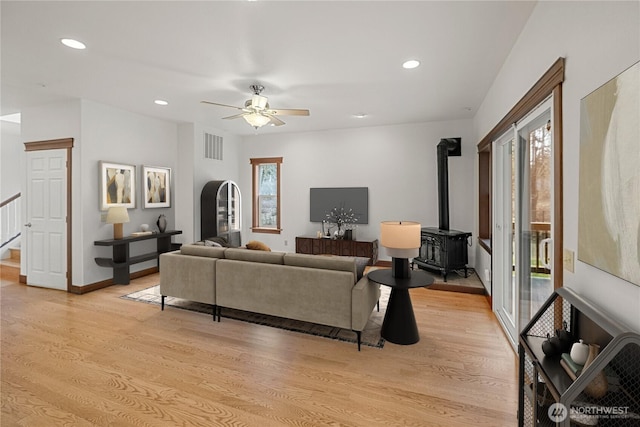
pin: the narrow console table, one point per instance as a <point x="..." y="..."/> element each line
<point x="322" y="246"/>
<point x="121" y="259"/>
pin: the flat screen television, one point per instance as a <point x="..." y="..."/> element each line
<point x="323" y="200"/>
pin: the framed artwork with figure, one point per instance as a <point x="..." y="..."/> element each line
<point x="157" y="186"/>
<point x="117" y="185"/>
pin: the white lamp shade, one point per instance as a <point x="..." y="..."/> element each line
<point x="259" y="102"/>
<point x="117" y="215"/>
<point x="400" y="238"/>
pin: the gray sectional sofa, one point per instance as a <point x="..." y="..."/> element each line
<point x="327" y="290"/>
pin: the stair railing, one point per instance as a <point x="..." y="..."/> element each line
<point x="10" y="219"/>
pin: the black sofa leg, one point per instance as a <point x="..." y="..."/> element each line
<point x="162" y="303"/>
<point x="219" y="309"/>
<point x="215" y="311"/>
<point x="359" y="334"/>
<point x="378" y="304"/>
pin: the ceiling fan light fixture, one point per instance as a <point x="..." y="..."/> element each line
<point x="259" y="102"/>
<point x="256" y="119"/>
<point x="257" y="112"/>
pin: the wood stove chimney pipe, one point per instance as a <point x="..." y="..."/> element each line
<point x="446" y="147"/>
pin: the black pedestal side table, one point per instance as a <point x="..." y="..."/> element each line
<point x="399" y="325"/>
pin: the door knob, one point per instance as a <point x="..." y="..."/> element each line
<point x="28" y="224"/>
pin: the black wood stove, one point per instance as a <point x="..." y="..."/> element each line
<point x="443" y="249"/>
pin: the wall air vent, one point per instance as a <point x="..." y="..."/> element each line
<point x="212" y="146"/>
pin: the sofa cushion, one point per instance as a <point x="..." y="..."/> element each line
<point x="307" y="294"/>
<point x="201" y="250"/>
<point x="217" y="241"/>
<point x="326" y="262"/>
<point x="258" y="246"/>
<point x="188" y="277"/>
<point x="254" y="256"/>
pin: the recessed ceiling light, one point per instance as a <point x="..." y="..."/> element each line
<point x="360" y="115"/>
<point x="161" y="102"/>
<point x="412" y="63"/>
<point x="74" y="44"/>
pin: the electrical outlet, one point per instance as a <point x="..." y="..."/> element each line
<point x="487" y="275"/>
<point x="568" y="260"/>
<point x="103" y="217"/>
<point x="286" y="243"/>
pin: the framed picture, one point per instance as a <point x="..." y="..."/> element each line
<point x="157" y="186"/>
<point x="117" y="185"/>
<point x="609" y="206"/>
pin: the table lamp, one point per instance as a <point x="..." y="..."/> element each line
<point x="116" y="216"/>
<point x="402" y="240"/>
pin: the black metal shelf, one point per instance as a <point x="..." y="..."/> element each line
<point x="121" y="260"/>
<point x="540" y="374"/>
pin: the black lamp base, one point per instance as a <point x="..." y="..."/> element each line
<point x="400" y="268"/>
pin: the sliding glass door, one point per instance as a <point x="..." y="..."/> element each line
<point x="523" y="223"/>
<point x="504" y="279"/>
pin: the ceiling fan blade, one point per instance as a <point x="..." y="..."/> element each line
<point x="274" y="120"/>
<point x="221" y="105"/>
<point x="289" y="112"/>
<point x="235" y="116"/>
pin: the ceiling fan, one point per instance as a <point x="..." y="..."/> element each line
<point x="257" y="112"/>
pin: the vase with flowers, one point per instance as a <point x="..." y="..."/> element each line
<point x="343" y="219"/>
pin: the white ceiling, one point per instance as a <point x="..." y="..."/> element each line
<point x="335" y="58"/>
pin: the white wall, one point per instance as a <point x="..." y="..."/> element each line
<point x="206" y="170"/>
<point x="397" y="163"/>
<point x="598" y="40"/>
<point x="196" y="171"/>
<point x="114" y="135"/>
<point x="55" y="121"/>
<point x="183" y="182"/>
<point x="11" y="166"/>
<point x="11" y="149"/>
<point x="103" y="133"/>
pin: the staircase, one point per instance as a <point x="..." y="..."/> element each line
<point x="10" y="236"/>
<point x="10" y="267"/>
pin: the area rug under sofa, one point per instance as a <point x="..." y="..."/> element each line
<point x="370" y="334"/>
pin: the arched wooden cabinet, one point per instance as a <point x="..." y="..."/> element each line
<point x="221" y="211"/>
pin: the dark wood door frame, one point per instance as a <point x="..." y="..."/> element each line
<point x="55" y="144"/>
<point x="549" y="84"/>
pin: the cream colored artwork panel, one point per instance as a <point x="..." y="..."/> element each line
<point x="609" y="199"/>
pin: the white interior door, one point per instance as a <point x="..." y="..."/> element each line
<point x="46" y="215"/>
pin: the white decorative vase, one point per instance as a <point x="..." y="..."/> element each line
<point x="579" y="352"/>
<point x="144" y="227"/>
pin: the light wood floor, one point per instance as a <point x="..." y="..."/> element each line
<point x="98" y="360"/>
